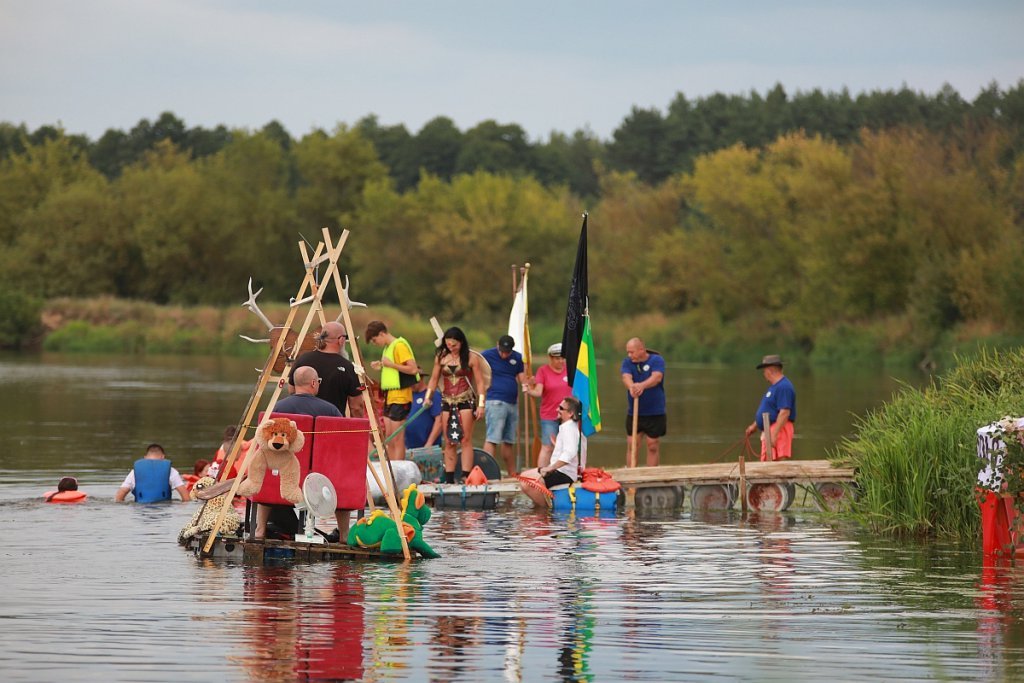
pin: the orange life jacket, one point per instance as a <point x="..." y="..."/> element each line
<point x="64" y="496"/>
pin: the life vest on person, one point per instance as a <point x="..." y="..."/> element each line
<point x="391" y="378"/>
<point x="190" y="481"/>
<point x="64" y="496"/>
<point x="152" y="480"/>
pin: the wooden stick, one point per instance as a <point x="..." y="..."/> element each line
<point x="766" y="421"/>
<point x="307" y="282"/>
<point x="389" y="489"/>
<point x="743" y="483"/>
<point x="636" y="437"/>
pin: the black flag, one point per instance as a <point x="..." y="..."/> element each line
<point x="572" y="334"/>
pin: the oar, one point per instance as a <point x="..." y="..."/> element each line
<point x="636" y="437"/>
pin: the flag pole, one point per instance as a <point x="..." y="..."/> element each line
<point x="527" y="409"/>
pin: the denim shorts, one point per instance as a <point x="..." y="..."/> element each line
<point x="502" y="420"/>
<point x="548" y="432"/>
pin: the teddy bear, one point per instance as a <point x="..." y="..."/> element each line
<point x="274" y="447"/>
<point x="204" y="518"/>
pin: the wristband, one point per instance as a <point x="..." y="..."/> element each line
<point x="480" y="402"/>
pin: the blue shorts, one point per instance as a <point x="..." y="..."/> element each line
<point x="548" y="432"/>
<point x="502" y="420"/>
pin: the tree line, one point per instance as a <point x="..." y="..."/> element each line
<point x="651" y="143"/>
<point x="893" y="236"/>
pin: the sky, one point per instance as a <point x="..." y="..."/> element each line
<point x="552" y="65"/>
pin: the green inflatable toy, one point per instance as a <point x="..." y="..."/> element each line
<point x="380" y="531"/>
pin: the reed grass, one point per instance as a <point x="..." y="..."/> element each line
<point x="916" y="455"/>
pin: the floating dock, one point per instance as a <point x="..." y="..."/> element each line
<point x="770" y="486"/>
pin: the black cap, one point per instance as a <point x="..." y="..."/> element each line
<point x="506" y="343"/>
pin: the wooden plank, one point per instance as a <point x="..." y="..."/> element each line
<point x="720" y="473"/>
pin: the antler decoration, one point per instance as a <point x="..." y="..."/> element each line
<point x="254" y="307"/>
<point x="348" y="301"/>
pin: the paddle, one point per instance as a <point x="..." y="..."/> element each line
<point x="636" y="437"/>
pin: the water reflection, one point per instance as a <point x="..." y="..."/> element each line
<point x="296" y="629"/>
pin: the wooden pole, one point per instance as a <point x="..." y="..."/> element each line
<point x="743" y="483"/>
<point x="528" y="362"/>
<point x="766" y="422"/>
<point x="308" y="282"/>
<point x="389" y="489"/>
<point x="634" y="442"/>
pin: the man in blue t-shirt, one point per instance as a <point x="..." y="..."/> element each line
<point x="425" y="429"/>
<point x="779" y="402"/>
<point x="643" y="374"/>
<point x="501" y="411"/>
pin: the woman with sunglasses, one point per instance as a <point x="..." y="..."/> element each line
<point x="567" y="458"/>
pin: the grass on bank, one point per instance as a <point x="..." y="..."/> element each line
<point x="109" y="325"/>
<point x="916" y="455"/>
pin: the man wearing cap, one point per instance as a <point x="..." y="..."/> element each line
<point x="339" y="383"/>
<point x="643" y="375"/>
<point x="500" y="409"/>
<point x="780" y="404"/>
<point x="550" y="385"/>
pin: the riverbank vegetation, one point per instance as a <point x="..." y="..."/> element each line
<point x="882" y="228"/>
<point x="916" y="456"/>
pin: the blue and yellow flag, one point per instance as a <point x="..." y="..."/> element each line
<point x="584" y="386"/>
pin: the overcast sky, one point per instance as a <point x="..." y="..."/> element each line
<point x="562" y="65"/>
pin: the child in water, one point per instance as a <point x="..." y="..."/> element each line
<point x="67" y="492"/>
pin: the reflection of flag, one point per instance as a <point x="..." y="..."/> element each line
<point x="519" y="320"/>
<point x="572" y="333"/>
<point x="585" y="386"/>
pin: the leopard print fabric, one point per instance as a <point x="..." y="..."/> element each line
<point x="205" y="517"/>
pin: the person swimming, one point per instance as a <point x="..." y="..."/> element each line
<point x="67" y="492"/>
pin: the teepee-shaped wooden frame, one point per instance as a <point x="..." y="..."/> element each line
<point x="310" y="294"/>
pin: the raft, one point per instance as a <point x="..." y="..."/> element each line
<point x="271" y="551"/>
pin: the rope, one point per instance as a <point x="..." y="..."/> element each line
<point x="537" y="484"/>
<point x="724" y="454"/>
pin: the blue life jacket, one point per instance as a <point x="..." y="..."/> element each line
<point x="152" y="480"/>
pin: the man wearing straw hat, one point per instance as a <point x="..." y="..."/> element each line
<point x="780" y="404"/>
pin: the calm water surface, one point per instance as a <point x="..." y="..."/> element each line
<point x="101" y="592"/>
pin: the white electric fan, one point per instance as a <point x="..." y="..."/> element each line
<point x="321" y="501"/>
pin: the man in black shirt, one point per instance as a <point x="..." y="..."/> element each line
<point x="339" y="383"/>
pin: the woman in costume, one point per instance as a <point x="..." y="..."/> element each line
<point x="461" y="378"/>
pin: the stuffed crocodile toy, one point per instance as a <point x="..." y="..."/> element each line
<point x="379" y="530"/>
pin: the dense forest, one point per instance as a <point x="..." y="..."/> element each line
<point x="886" y="220"/>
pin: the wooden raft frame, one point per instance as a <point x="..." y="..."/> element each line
<point x="326" y="252"/>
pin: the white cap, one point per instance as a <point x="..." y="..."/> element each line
<point x="555" y="349"/>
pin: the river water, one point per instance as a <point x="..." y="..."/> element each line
<point x="101" y="592"/>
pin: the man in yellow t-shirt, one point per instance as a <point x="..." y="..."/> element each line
<point x="397" y="367"/>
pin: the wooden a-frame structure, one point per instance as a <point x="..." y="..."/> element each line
<point x="310" y="294"/>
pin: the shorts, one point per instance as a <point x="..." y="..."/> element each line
<point x="556" y="478"/>
<point x="653" y="426"/>
<point x="397" y="412"/>
<point x="783" y="445"/>
<point x="548" y="432"/>
<point x="465" y="405"/>
<point x="502" y="420"/>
